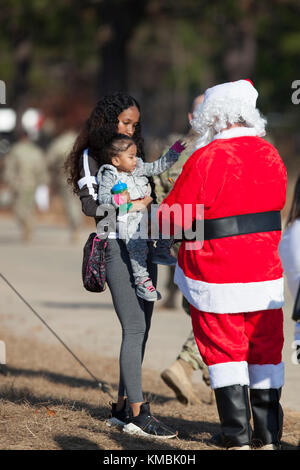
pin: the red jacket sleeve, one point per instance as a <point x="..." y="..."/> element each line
<point x="183" y="204"/>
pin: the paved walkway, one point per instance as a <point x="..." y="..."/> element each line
<point x="47" y="273"/>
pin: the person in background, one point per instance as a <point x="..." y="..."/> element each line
<point x="178" y="376"/>
<point x="56" y="155"/>
<point x="25" y="172"/>
<point x="289" y="251"/>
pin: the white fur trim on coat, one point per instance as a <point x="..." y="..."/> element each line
<point x="230" y="297"/>
<point x="266" y="375"/>
<point x="236" y="132"/>
<point x="228" y="373"/>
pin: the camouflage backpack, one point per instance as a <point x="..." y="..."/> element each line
<point x="93" y="264"/>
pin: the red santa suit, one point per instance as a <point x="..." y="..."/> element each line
<point x="234" y="284"/>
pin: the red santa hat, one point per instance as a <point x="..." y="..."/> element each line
<point x="242" y="90"/>
<point x="225" y="104"/>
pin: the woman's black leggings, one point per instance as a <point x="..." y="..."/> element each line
<point x="134" y="314"/>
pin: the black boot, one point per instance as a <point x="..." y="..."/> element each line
<point x="3" y="369"/>
<point x="267" y="416"/>
<point x="234" y="413"/>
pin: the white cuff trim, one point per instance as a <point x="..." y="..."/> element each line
<point x="228" y="373"/>
<point x="230" y="297"/>
<point x="266" y="375"/>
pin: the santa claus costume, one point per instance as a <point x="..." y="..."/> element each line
<point x="234" y="281"/>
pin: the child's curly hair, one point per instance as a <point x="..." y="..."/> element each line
<point x="98" y="131"/>
<point x="119" y="143"/>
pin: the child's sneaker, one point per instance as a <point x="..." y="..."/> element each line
<point x="163" y="257"/>
<point x="146" y="425"/>
<point x="147" y="291"/>
<point x="118" y="418"/>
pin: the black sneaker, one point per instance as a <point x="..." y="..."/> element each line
<point x="120" y="417"/>
<point x="147" y="426"/>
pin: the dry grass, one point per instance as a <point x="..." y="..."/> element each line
<point x="48" y="402"/>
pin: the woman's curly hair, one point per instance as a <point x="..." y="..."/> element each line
<point x="98" y="130"/>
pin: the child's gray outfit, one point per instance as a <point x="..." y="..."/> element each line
<point x="129" y="224"/>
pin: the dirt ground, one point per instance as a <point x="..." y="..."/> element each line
<point x="59" y="407"/>
<point x="47" y="400"/>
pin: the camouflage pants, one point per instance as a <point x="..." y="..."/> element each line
<point x="24" y="208"/>
<point x="189" y="351"/>
<point x="72" y="207"/>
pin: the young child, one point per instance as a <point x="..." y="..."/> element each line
<point x="124" y="166"/>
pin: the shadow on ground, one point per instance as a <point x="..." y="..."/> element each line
<point x="55" y="377"/>
<point x="78" y="382"/>
<point x="72" y="442"/>
<point x="189" y="432"/>
<point x="77" y="305"/>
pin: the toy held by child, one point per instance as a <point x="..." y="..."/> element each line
<point x="120" y="191"/>
<point x="122" y="182"/>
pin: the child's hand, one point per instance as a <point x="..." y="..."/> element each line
<point x="147" y="200"/>
<point x="127" y="196"/>
<point x="141" y="204"/>
<point x="179" y="146"/>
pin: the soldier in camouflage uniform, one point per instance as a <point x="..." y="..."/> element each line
<point x="163" y="185"/>
<point x="179" y="375"/>
<point x="24" y="170"/>
<point x="57" y="152"/>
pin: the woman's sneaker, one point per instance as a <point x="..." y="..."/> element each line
<point x="146" y="425"/>
<point x="118" y="417"/>
<point x="147" y="291"/>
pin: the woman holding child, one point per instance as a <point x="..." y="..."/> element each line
<point x="132" y="294"/>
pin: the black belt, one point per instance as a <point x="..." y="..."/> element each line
<point x="238" y="225"/>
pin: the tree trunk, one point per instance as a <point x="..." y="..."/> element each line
<point x="240" y="54"/>
<point x="121" y="18"/>
<point x="22" y="61"/>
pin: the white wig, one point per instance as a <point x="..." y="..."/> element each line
<point x="225" y="105"/>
